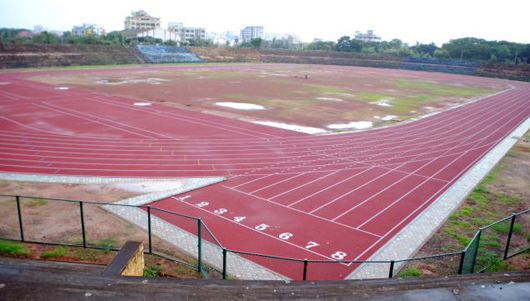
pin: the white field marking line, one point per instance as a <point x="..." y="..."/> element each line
<point x="51" y="136"/>
<point x="129" y="138"/>
<point x="217" y="156"/>
<point x="30" y="127"/>
<point x="202" y="170"/>
<point x="46" y="88"/>
<point x="389" y="171"/>
<point x="425" y="181"/>
<point x="185" y="172"/>
<point x="73" y="112"/>
<point x="328" y="187"/>
<point x="423" y="137"/>
<point x="151" y="155"/>
<point x="424" y="142"/>
<point x="181" y="118"/>
<point x="10" y="97"/>
<point x="432" y="196"/>
<point x="305" y="213"/>
<point x="427" y="163"/>
<point x="308" y="183"/>
<point x="203" y="159"/>
<point x="248" y="182"/>
<point x="399" y="181"/>
<point x="19" y="97"/>
<point x="276" y="183"/>
<point x="91" y="120"/>
<point x="261" y="232"/>
<point x="321" y="152"/>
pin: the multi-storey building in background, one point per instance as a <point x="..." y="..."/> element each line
<point x="187" y="33"/>
<point x="368" y="36"/>
<point x="141" y="20"/>
<point x="251" y="32"/>
<point x="88" y="29"/>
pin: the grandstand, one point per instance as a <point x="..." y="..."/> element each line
<point x="167" y="54"/>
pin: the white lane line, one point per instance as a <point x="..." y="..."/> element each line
<point x="303" y="212"/>
<point x="401" y="165"/>
<point x="425" y="181"/>
<point x="94" y="117"/>
<point x="484" y="129"/>
<point x="276" y="183"/>
<point x="183" y="119"/>
<point x="261" y="232"/>
<point x="427" y="201"/>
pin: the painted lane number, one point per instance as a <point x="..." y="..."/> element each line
<point x="311" y="244"/>
<point x="239" y="219"/>
<point x="202" y="204"/>
<point x="220" y="211"/>
<point x="262" y="227"/>
<point x="285" y="236"/>
<point x="338" y="255"/>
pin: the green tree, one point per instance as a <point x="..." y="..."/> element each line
<point x="256" y="43"/>
<point x="343" y="44"/>
<point x="441" y="54"/>
<point x="45" y="38"/>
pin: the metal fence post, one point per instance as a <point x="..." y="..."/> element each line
<point x="199" y="244"/>
<point x="20" y="219"/>
<point x="305" y="270"/>
<point x="391" y="272"/>
<point x="461" y="265"/>
<point x="507" y="249"/>
<point x="224" y="263"/>
<point x="82" y="223"/>
<point x="149" y="230"/>
<point x="475" y="253"/>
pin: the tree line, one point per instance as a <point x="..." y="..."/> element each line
<point x="460" y="49"/>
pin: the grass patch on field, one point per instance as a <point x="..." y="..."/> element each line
<point x="410" y="272"/>
<point x="441" y="89"/>
<point x="37" y="202"/>
<point x="326" y="89"/>
<point x="152" y="271"/>
<point x="13" y="248"/>
<point x="56" y="252"/>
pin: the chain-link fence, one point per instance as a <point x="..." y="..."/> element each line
<point x="187" y="240"/>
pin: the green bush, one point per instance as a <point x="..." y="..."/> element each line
<point x="410" y="272"/>
<point x="152" y="271"/>
<point x="13" y="248"/>
<point x="57" y="252"/>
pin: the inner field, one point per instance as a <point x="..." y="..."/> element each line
<point x="329" y="98"/>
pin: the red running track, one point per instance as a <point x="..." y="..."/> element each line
<point x="329" y="197"/>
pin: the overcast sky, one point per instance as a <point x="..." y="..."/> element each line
<point x="410" y="20"/>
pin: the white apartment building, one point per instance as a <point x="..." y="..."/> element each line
<point x="368" y="36"/>
<point x="251" y="32"/>
<point x="187" y="33"/>
<point x="141" y="20"/>
<point x="87" y="29"/>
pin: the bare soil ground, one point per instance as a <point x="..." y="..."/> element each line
<point x="314" y="96"/>
<point x="505" y="190"/>
<point x="52" y="221"/>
